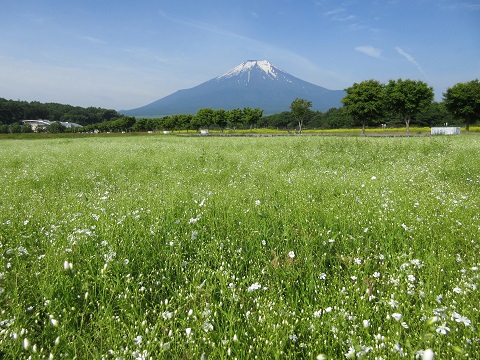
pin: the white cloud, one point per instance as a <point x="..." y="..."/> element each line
<point x="369" y="50"/>
<point x="410" y="58"/>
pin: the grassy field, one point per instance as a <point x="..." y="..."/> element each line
<point x="259" y="247"/>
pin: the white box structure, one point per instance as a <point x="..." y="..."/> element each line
<point x="445" y="130"/>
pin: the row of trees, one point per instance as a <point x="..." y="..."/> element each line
<point x="204" y="118"/>
<point x="12" y="111"/>
<point x="370" y="101"/>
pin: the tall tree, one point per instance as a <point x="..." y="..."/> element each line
<point x="220" y="118"/>
<point x="252" y="116"/>
<point x="235" y="117"/>
<point x="300" y="110"/>
<point x="463" y="101"/>
<point x="203" y="117"/>
<point x="407" y="98"/>
<point x="365" y="102"/>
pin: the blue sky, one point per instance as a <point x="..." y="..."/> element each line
<point x="126" y="54"/>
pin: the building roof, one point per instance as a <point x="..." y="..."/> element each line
<point x="45" y="123"/>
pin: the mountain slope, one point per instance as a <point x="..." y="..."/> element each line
<point x="253" y="84"/>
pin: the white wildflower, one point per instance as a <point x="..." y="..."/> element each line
<point x="397" y="316"/>
<point x="457" y="290"/>
<point x="138" y="340"/>
<point x="167" y="315"/>
<point x="254" y="287"/>
<point x="427" y="355"/>
<point x="443" y="329"/>
<point x="26" y="344"/>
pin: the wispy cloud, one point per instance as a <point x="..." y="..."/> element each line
<point x="471" y="6"/>
<point x="247" y="44"/>
<point x="369" y="50"/>
<point x="466" y="5"/>
<point x="339" y="14"/>
<point x="410" y="58"/>
<point x="92" y="39"/>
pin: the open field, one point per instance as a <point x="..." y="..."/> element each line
<point x="257" y="247"/>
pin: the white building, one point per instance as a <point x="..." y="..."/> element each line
<point x="41" y="124"/>
<point x="447" y="130"/>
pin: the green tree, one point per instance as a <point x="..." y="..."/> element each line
<point x="185" y="121"/>
<point x="15" y="128"/>
<point x="55" y="127"/>
<point x="169" y="122"/>
<point x="252" y="116"/>
<point x="300" y="109"/>
<point x="204" y="117"/>
<point x="463" y="101"/>
<point x="283" y="120"/>
<point x="365" y="102"/>
<point x="140" y="125"/>
<point x="220" y="118"/>
<point x="407" y="98"/>
<point x="235" y="118"/>
<point x="434" y="115"/>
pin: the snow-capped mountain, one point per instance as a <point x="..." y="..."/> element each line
<point x="245" y="70"/>
<point x="253" y="83"/>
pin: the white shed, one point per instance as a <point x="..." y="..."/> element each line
<point x="446" y="130"/>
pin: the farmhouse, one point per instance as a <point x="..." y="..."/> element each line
<point x="42" y="124"/>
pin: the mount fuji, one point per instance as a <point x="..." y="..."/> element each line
<point x="254" y="83"/>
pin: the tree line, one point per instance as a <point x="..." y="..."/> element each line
<point x="12" y="112"/>
<point x="369" y="103"/>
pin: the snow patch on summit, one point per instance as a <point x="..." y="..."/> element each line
<point x="248" y="66"/>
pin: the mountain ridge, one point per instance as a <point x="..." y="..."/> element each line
<point x="253" y="83"/>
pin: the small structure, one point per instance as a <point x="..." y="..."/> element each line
<point x="42" y="124"/>
<point x="450" y="130"/>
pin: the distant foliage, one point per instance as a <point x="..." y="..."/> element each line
<point x="463" y="101"/>
<point x="12" y="111"/>
<point x="125" y="123"/>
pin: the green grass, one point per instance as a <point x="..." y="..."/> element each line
<point x="269" y="247"/>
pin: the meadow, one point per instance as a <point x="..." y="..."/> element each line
<point x="304" y="247"/>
